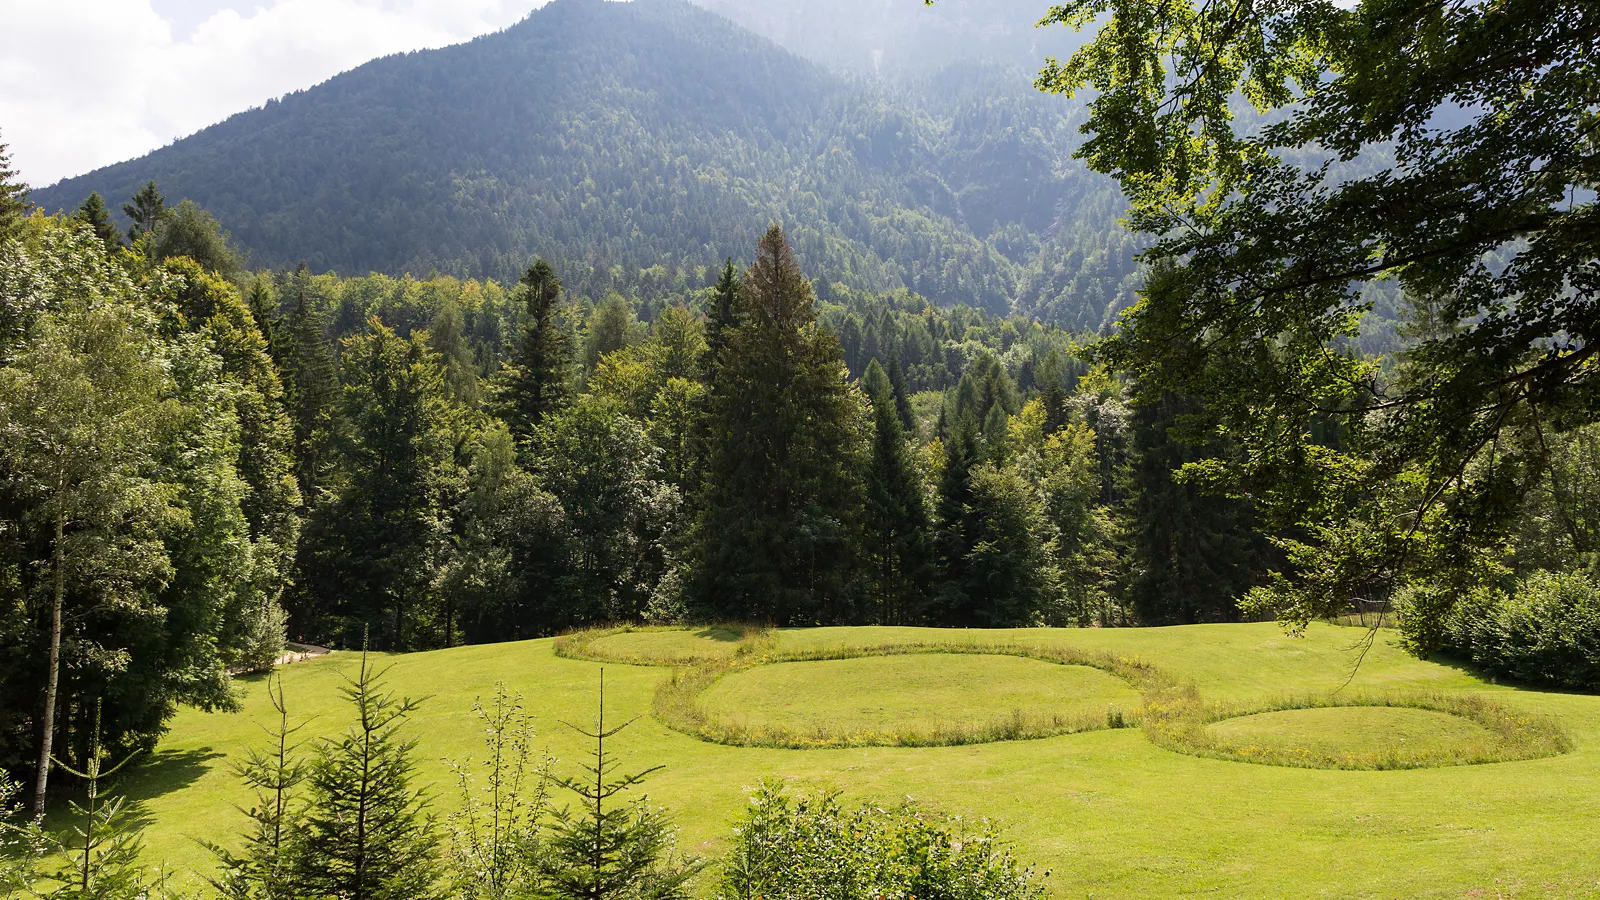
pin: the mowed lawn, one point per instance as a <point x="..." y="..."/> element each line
<point x="1107" y="813"/>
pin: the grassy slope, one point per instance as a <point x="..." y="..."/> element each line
<point x="1110" y="814"/>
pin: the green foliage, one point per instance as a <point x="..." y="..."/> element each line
<point x="23" y="842"/>
<point x="814" y="848"/>
<point x="366" y="833"/>
<point x="14" y="203"/>
<point x="608" y="850"/>
<point x="93" y="213"/>
<point x="190" y="231"/>
<point x="503" y="799"/>
<point x="1546" y="631"/>
<point x="539" y="380"/>
<point x="896" y="531"/>
<point x="378" y="548"/>
<point x="264" y="868"/>
<point x="1373" y="117"/>
<point x="100" y="858"/>
<point x="148" y="209"/>
<point x="780" y="504"/>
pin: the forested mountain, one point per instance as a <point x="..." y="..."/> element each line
<point x="639" y="144"/>
<point x="895" y="36"/>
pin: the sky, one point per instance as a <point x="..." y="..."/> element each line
<point x="86" y="83"/>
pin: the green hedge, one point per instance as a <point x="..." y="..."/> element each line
<point x="1546" y="633"/>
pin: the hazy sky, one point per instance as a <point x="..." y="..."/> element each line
<point x="84" y="83"/>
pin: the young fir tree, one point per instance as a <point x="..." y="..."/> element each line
<point x="14" y="203"/>
<point x="538" y="381"/>
<point x="147" y="209"/>
<point x="93" y="213"/>
<point x="781" y="493"/>
<point x="263" y="869"/>
<point x="366" y="833"/>
<point x="895" y="521"/>
<point x="606" y="850"/>
<point x="99" y="858"/>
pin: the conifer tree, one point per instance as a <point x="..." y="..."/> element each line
<point x="957" y="528"/>
<point x="895" y="524"/>
<point x="264" y="869"/>
<point x="539" y="379"/>
<point x="902" y="395"/>
<point x="446" y="339"/>
<point x="606" y="850"/>
<point x="366" y="833"/>
<point x="13" y="196"/>
<point x="311" y="393"/>
<point x="147" y="209"/>
<point x="93" y="213"/>
<point x="99" y="857"/>
<point x="378" y="549"/>
<point x="781" y="493"/>
<point x="724" y="314"/>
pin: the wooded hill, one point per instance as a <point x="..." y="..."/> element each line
<point x="638" y="145"/>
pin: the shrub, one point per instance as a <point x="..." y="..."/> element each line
<point x="1546" y="633"/>
<point x="815" y="849"/>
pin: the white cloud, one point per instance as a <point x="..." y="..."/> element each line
<point x="86" y="83"/>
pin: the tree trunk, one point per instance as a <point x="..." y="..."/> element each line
<point x="48" y="726"/>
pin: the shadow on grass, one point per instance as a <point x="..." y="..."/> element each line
<point x="156" y="775"/>
<point x="1468" y="667"/>
<point x="725" y="633"/>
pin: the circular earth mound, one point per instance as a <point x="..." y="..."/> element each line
<point x="667" y="647"/>
<point x="915" y="699"/>
<point x="1353" y="732"/>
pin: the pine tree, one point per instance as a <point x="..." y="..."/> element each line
<point x="14" y="203"/>
<point x="896" y="528"/>
<point x="148" y="209"/>
<point x="956" y="528"/>
<point x="93" y="213"/>
<point x="366" y="833"/>
<point x="603" y="851"/>
<point x="781" y="493"/>
<point x="263" y="870"/>
<point x="612" y="326"/>
<point x="539" y="380"/>
<point x="446" y="339"/>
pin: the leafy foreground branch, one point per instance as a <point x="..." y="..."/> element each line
<point x="345" y="819"/>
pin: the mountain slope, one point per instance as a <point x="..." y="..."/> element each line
<point x="630" y="142"/>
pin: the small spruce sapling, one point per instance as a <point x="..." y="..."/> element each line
<point x="22" y="842"/>
<point x="99" y="858"/>
<point x="609" y="852"/>
<point x="262" y="870"/>
<point x="500" y="808"/>
<point x="366" y="833"/>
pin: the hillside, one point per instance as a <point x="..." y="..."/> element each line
<point x="618" y="137"/>
<point x="1108" y="812"/>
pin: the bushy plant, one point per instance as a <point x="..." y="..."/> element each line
<point x="814" y="848"/>
<point x="1546" y="632"/>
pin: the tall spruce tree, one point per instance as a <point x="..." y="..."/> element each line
<point x="366" y="833"/>
<point x="311" y="395"/>
<point x="13" y="196"/>
<point x="93" y="213"/>
<point x="1195" y="553"/>
<point x="897" y="535"/>
<point x="781" y="495"/>
<point x="955" y="601"/>
<point x="902" y="394"/>
<point x="376" y="552"/>
<point x="538" y="381"/>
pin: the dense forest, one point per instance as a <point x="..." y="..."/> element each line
<point x="629" y="143"/>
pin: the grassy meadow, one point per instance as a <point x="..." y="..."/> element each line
<point x="1109" y="813"/>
